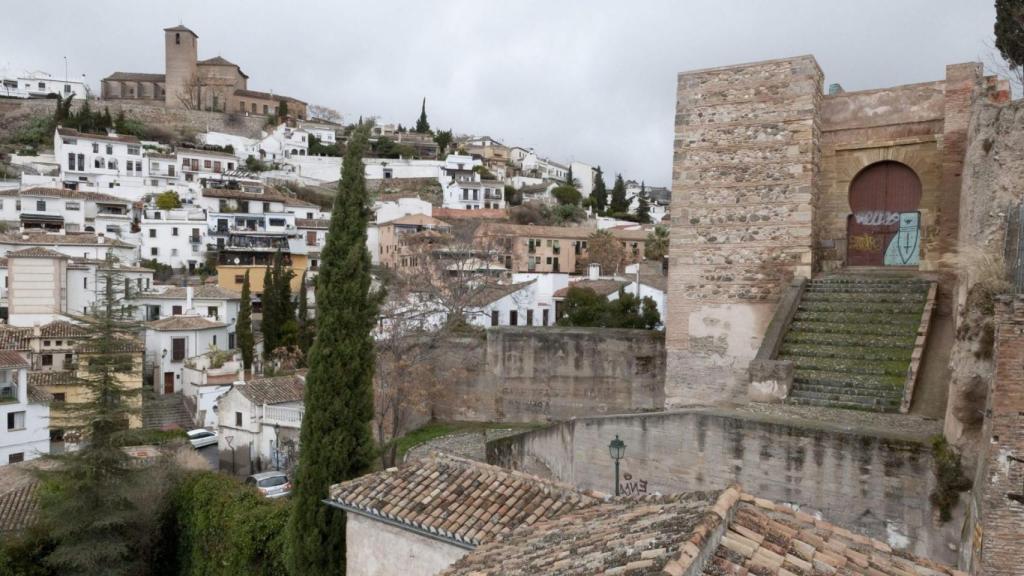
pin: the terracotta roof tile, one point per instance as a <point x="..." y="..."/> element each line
<point x="274" y="390"/>
<point x="37" y="252"/>
<point x="600" y="287"/>
<point x="18" y="508"/>
<point x="63" y="329"/>
<point x="14" y="338"/>
<point x="461" y="500"/>
<point x="12" y="359"/>
<point x="48" y="192"/>
<point x="204" y="292"/>
<point x="172" y="323"/>
<point x="137" y="77"/>
<point x="122" y="138"/>
<point x="52" y="378"/>
<point x="66" y="239"/>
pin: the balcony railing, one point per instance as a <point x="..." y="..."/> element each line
<point x="283" y="415"/>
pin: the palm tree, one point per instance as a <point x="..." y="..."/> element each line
<point x="657" y="243"/>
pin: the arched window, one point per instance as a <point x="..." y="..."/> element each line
<point x="883" y="228"/>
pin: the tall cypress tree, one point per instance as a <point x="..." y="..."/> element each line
<point x="336" y="440"/>
<point x="305" y="336"/>
<point x="600" y="193"/>
<point x="270" y="325"/>
<point x="243" y="326"/>
<point x="422" y="126"/>
<point x="619" y="204"/>
<point x="285" y="307"/>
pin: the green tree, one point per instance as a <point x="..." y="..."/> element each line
<point x="243" y="329"/>
<point x="585" y="307"/>
<point x="305" y="336"/>
<point x="270" y="323"/>
<point x="569" y="178"/>
<point x="168" y="200"/>
<point x="657" y="243"/>
<point x="619" y="204"/>
<point x="567" y="195"/>
<point x="286" y="306"/>
<point x="336" y="439"/>
<point x="600" y="193"/>
<point x="282" y="110"/>
<point x="443" y="139"/>
<point x="88" y="505"/>
<point x="643" y="210"/>
<point x="1009" y="30"/>
<point x="422" y="126"/>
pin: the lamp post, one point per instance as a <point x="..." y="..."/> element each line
<point x="617" y="450"/>
<point x="277" y="446"/>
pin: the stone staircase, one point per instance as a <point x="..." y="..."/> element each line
<point x="166" y="411"/>
<point x="851" y="341"/>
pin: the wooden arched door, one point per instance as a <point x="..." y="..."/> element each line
<point x="884" y="228"/>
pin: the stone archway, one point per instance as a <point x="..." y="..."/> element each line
<point x="884" y="227"/>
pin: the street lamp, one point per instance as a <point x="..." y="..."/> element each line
<point x="617" y="450"/>
<point x="277" y="446"/>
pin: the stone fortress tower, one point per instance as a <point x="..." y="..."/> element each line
<point x="181" y="52"/>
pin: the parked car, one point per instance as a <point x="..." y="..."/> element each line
<point x="271" y="484"/>
<point x="202" y="437"/>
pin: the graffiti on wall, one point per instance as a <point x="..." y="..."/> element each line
<point x="877" y="218"/>
<point x="632" y="487"/>
<point x="905" y="248"/>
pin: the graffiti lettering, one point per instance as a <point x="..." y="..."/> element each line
<point x="865" y="243"/>
<point x="877" y="218"/>
<point x="631" y="487"/>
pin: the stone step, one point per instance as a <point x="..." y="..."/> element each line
<point x="843" y="404"/>
<point x="869" y="391"/>
<point x="854" y="352"/>
<point x="165" y="411"/>
<point x="853" y="394"/>
<point x="863" y="307"/>
<point x="898" y="321"/>
<point x="809" y="328"/>
<point x="821" y="333"/>
<point x="847" y="380"/>
<point x="845" y="365"/>
<point x="876" y="297"/>
<point x="841" y="287"/>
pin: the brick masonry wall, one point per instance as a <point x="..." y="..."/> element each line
<point x="746" y="160"/>
<point x="543" y="374"/>
<point x="878" y="485"/>
<point x="175" y="123"/>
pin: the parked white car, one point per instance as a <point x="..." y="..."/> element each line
<point x="202" y="437"/>
<point x="271" y="484"/>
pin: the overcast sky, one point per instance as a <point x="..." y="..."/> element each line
<point x="587" y="80"/>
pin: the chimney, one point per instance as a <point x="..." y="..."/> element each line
<point x="594" y="271"/>
<point x="188" y="298"/>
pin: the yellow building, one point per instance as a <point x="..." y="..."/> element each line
<point x="231" y="276"/>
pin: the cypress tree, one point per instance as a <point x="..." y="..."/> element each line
<point x="243" y="327"/>
<point x="422" y="126"/>
<point x="305" y="336"/>
<point x="1009" y="31"/>
<point x="643" y="209"/>
<point x="285" y="314"/>
<point x="336" y="440"/>
<point x="271" y="323"/>
<point x="569" y="179"/>
<point x="619" y="204"/>
<point x="600" y="193"/>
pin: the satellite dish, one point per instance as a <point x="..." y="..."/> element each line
<point x="237" y="261"/>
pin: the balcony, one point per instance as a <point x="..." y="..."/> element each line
<point x="8" y="395"/>
<point x="281" y="415"/>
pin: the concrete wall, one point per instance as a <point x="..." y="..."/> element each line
<point x="874" y="484"/>
<point x="746" y="160"/>
<point x="521" y="374"/>
<point x="373" y="548"/>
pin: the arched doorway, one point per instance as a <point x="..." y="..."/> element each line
<point x="884" y="226"/>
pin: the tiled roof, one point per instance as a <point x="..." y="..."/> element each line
<point x="37" y="395"/>
<point x="52" y="378"/>
<point x="203" y="292"/>
<point x="172" y="323"/>
<point x="103" y="265"/>
<point x="202" y="152"/>
<point x="300" y="203"/>
<point x="530" y="231"/>
<point x="217" y="61"/>
<point x="36" y="252"/>
<point x="63" y="329"/>
<point x="318" y="223"/>
<point x="489" y="293"/>
<point x="17" y="338"/>
<point x="465" y="502"/>
<point x="48" y="192"/>
<point x="416" y="220"/>
<point x="600" y="287"/>
<point x="18" y="507"/>
<point x="623" y="535"/>
<point x="66" y="239"/>
<point x="121" y="344"/>
<point x="267" y="194"/>
<point x="652" y="275"/>
<point x="122" y="138"/>
<point x="137" y="77"/>
<point x="14" y="338"/>
<point x="266" y="96"/>
<point x="12" y="359"/>
<point x="274" y="390"/>
<point x="773" y="539"/>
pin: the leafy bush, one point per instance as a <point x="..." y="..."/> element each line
<point x="215" y="526"/>
<point x="253" y="164"/>
<point x="161" y="272"/>
<point x="584" y="307"/>
<point x="950" y="478"/>
<point x="168" y="200"/>
<point x="567" y="195"/>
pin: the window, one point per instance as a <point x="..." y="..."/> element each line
<point x="494" y="317"/>
<point x="73" y="206"/>
<point x="529" y="317"/>
<point x="238" y="418"/>
<point x="174" y="231"/>
<point x="59" y="396"/>
<point x="277" y="221"/>
<point x="544" y="317"/>
<point x="177" y="37"/>
<point x="110" y="149"/>
<point x="310" y="238"/>
<point x="15" y="420"/>
<point x="152" y="232"/>
<point x="211" y="311"/>
<point x="16" y="457"/>
<point x="133" y="150"/>
<point x="154" y="251"/>
<point x="176" y="310"/>
<point x="71" y="160"/>
<point x="95" y="147"/>
<point x="207" y="164"/>
<point x="239" y="279"/>
<point x="513" y="318"/>
<point x="214" y="339"/>
<point x="231" y="340"/>
<point x="69" y="359"/>
<point x="47" y="359"/>
<point x="85" y="283"/>
<point x="266" y="206"/>
<point x="42" y="85"/>
<point x="177" y="347"/>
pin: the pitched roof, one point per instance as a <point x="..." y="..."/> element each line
<point x="274" y="390"/>
<point x="63" y="329"/>
<point x="52" y="378"/>
<point x="629" y="535"/>
<point x="217" y="61"/>
<point x="121" y="344"/>
<point x="19" y="507"/>
<point x="49" y="192"/>
<point x="204" y="152"/>
<point x="137" y="77"/>
<point x="12" y="359"/>
<point x="122" y="138"/>
<point x="651" y="274"/>
<point x="14" y="338"/>
<point x="465" y="502"/>
<point x="37" y="395"/>
<point x="172" y="323"/>
<point x="266" y="194"/>
<point x="531" y="231"/>
<point x="181" y="28"/>
<point x="65" y="239"/>
<point x="416" y="220"/>
<point x="202" y="292"/>
<point x="266" y="96"/>
<point x="37" y="252"/>
<point x="492" y="292"/>
<point x="602" y="287"/>
<point x="300" y="203"/>
<point x="318" y="223"/>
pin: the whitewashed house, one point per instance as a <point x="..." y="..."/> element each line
<point x="284" y="142"/>
<point x="464" y="189"/>
<point x="263" y="418"/>
<point x="402" y="168"/>
<point x="208" y="301"/>
<point x="55" y="209"/>
<point x="204" y="382"/>
<point x="583" y="176"/>
<point x="172" y="340"/>
<point x="326" y="133"/>
<point x="174" y="237"/>
<point x="84" y="245"/>
<point x="24" y="412"/>
<point x="241" y="147"/>
<point x="197" y="164"/>
<point x="105" y="162"/>
<point x="40" y="85"/>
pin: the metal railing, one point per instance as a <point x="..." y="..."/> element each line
<point x="282" y="415"/>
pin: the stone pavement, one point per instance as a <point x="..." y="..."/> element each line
<point x="904" y="426"/>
